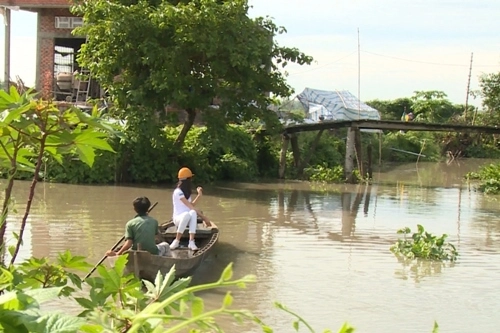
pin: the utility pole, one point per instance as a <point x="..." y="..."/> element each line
<point x="6" y="75"/>
<point x="468" y="88"/>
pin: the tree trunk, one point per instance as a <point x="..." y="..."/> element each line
<point x="188" y="123"/>
<point x="307" y="158"/>
<point x="30" y="198"/>
<point x="5" y="208"/>
<point x="6" y="201"/>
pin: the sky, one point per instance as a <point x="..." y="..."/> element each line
<point x="404" y="46"/>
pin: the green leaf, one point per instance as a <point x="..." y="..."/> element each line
<point x="6" y="98"/>
<point x="436" y="328"/>
<point x="14" y="93"/>
<point x="15" y="300"/>
<point x="14" y="114"/>
<point x="93" y="139"/>
<point x="228" y="300"/>
<point x="13" y="321"/>
<point x="267" y="329"/>
<point x="346" y="328"/>
<point x="6" y="276"/>
<point x="197" y="306"/>
<point x="120" y="264"/>
<point x="182" y="306"/>
<point x="53" y="151"/>
<point x="56" y="323"/>
<point x="86" y="154"/>
<point x="91" y="328"/>
<point x="86" y="303"/>
<point x="43" y="295"/>
<point x="66" y="260"/>
<point x="296" y="325"/>
<point x="227" y="274"/>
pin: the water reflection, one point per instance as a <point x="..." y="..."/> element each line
<point x="418" y="269"/>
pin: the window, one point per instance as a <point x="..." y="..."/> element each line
<point x="76" y="22"/>
<point x="65" y="22"/>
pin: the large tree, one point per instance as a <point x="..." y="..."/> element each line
<point x="154" y="53"/>
<point x="490" y="92"/>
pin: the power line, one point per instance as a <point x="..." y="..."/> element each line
<point x="423" y="62"/>
<point x="322" y="66"/>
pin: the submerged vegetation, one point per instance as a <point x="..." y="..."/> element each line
<point x="424" y="245"/>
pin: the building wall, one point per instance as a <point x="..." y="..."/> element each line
<point x="26" y="4"/>
<point x="45" y="56"/>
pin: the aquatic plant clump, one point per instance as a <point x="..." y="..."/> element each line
<point x="489" y="178"/>
<point x="424" y="245"/>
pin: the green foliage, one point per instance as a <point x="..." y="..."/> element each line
<point x="489" y="177"/>
<point x="392" y="110"/>
<point x="424" y="245"/>
<point x="434" y="107"/>
<point x="323" y="173"/>
<point x="268" y="151"/>
<point x="490" y="92"/>
<point x="76" y="172"/>
<point x="186" y="54"/>
<point x="330" y="149"/>
<point x="116" y="302"/>
<point x="414" y="142"/>
<point x="32" y="129"/>
<point x="228" y="153"/>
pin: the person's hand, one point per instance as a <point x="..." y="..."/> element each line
<point x="110" y="253"/>
<point x="206" y="223"/>
<point x="199" y="189"/>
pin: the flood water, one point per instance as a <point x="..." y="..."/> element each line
<point x="321" y="250"/>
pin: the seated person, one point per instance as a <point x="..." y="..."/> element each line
<point x="142" y="230"/>
<point x="185" y="215"/>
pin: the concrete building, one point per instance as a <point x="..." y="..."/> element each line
<point x="57" y="47"/>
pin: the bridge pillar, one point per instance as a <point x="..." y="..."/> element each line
<point x="350" y="155"/>
<point x="284" y="147"/>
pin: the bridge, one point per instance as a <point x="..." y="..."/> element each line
<point x="392" y="125"/>
<point x="353" y="143"/>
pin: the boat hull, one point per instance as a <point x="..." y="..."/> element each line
<point x="144" y="265"/>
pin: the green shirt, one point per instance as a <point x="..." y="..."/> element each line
<point x="142" y="230"/>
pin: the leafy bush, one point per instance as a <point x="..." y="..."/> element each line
<point x="330" y="149"/>
<point x="323" y="173"/>
<point x="225" y="154"/>
<point x="424" y="245"/>
<point x="489" y="177"/>
<point x="414" y="142"/>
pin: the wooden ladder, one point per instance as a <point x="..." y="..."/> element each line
<point x="83" y="88"/>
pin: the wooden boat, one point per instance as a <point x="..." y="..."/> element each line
<point x="146" y="265"/>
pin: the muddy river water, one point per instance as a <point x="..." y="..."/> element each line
<point x="322" y="250"/>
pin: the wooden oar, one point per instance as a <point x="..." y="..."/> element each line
<point x="112" y="249"/>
